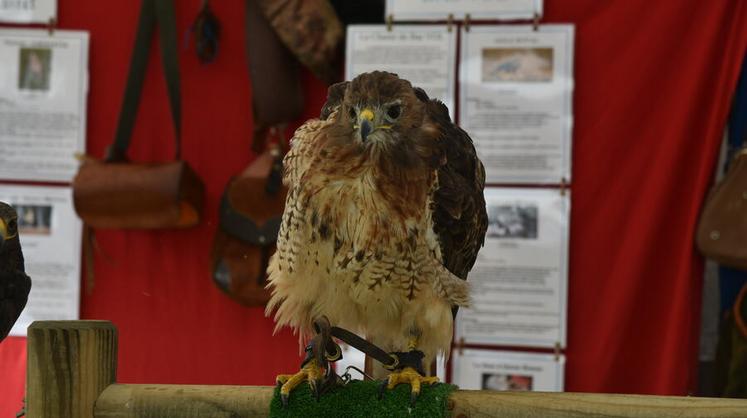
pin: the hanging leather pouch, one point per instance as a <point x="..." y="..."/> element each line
<point x="116" y="193"/>
<point x="251" y="210"/>
<point x="722" y="229"/>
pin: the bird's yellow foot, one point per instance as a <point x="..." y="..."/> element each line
<point x="407" y="375"/>
<point x="310" y="372"/>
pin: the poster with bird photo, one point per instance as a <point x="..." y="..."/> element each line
<point x="49" y="233"/>
<point x="515" y="100"/>
<point x="520" y="278"/>
<point x="508" y="370"/>
<point x="43" y="95"/>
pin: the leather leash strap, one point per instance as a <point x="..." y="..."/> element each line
<point x="152" y="13"/>
<point x="388" y="360"/>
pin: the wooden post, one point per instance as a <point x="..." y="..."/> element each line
<point x="69" y="364"/>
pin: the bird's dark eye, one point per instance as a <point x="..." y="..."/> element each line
<point x="394" y="111"/>
<point x="352" y="113"/>
<point x="12" y="227"/>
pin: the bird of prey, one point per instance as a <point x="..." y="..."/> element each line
<point x="14" y="283"/>
<point x="384" y="218"/>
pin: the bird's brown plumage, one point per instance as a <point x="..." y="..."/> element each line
<point x="380" y="229"/>
<point x="14" y="283"/>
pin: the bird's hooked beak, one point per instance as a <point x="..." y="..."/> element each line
<point x="5" y="234"/>
<point x="366" y="123"/>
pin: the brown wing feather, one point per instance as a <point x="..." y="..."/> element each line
<point x="459" y="215"/>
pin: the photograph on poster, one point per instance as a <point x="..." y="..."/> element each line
<point x="50" y="234"/>
<point x="34" y="219"/>
<point x="520" y="278"/>
<point x="503" y="381"/>
<point x="507" y="370"/>
<point x="515" y="98"/>
<point x="35" y="68"/>
<point x="517" y="64"/>
<point x="43" y="94"/>
<point x="423" y="55"/>
<point x="518" y="220"/>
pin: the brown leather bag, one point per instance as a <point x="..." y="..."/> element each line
<point x="251" y="210"/>
<point x="311" y="30"/>
<point x="120" y="194"/>
<point x="722" y="229"/>
<point x="138" y="196"/>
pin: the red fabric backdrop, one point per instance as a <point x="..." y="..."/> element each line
<point x="653" y="85"/>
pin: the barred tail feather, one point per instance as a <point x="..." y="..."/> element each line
<point x="288" y="311"/>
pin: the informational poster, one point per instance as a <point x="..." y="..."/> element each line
<point x="28" y="11"/>
<point x="507" y="370"/>
<point x="459" y="9"/>
<point x="424" y="55"/>
<point x="516" y="87"/>
<point x="50" y="235"/>
<point x="520" y="279"/>
<point x="43" y="90"/>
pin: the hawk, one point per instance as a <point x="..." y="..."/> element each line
<point x="384" y="217"/>
<point x="14" y="283"/>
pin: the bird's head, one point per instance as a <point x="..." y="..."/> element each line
<point x="8" y="223"/>
<point x="381" y="108"/>
<point x="380" y="121"/>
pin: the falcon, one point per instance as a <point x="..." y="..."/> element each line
<point x="14" y="283"/>
<point x="384" y="217"/>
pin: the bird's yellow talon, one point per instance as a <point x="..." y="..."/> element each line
<point x="409" y="375"/>
<point x="282" y="378"/>
<point x="308" y="373"/>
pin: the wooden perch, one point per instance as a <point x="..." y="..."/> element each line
<point x="72" y="370"/>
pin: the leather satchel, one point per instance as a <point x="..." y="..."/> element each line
<point x="311" y="30"/>
<point x="722" y="229"/>
<point x="116" y="193"/>
<point x="277" y="94"/>
<point x="251" y="210"/>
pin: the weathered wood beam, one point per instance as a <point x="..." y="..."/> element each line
<point x="193" y="401"/>
<point x="69" y="364"/>
<point x="183" y="401"/>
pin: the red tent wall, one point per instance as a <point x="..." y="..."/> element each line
<point x="653" y="85"/>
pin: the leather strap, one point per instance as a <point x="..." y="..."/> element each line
<point x="324" y="349"/>
<point x="389" y="361"/>
<point x="152" y="13"/>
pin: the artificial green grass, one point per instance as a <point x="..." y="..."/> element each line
<point x="359" y="399"/>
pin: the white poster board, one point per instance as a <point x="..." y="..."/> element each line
<point x="28" y="11"/>
<point x="520" y="279"/>
<point x="459" y="9"/>
<point x="423" y="55"/>
<point x="50" y="234"/>
<point x="507" y="370"/>
<point x="516" y="88"/>
<point x="43" y="90"/>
